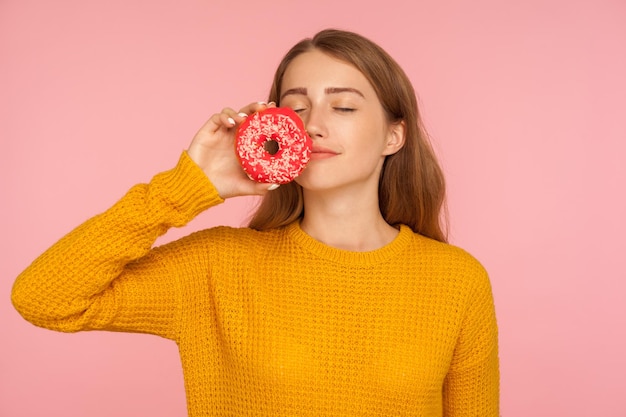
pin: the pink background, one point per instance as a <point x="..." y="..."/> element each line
<point x="525" y="101"/>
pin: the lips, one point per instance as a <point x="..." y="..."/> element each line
<point x="321" y="150"/>
<point x="322" y="153"/>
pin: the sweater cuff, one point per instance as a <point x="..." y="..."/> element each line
<point x="187" y="189"/>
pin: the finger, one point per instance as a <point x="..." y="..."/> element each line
<point x="251" y="187"/>
<point x="240" y="117"/>
<point x="263" y="188"/>
<point x="227" y="118"/>
<point x="254" y="107"/>
<point x="235" y="117"/>
<point x="213" y="124"/>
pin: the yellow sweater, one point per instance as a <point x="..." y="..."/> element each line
<point x="275" y="323"/>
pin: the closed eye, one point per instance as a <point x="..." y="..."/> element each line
<point x="345" y="109"/>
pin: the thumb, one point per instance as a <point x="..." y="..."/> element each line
<point x="258" y="188"/>
<point x="264" y="188"/>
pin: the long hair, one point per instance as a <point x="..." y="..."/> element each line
<point x="411" y="188"/>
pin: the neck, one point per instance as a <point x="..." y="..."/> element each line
<point x="341" y="221"/>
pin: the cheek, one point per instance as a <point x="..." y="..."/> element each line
<point x="373" y="127"/>
<point x="359" y="131"/>
<point x="370" y="138"/>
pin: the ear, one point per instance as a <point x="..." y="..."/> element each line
<point x="395" y="138"/>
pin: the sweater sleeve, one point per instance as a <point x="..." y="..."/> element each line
<point x="471" y="387"/>
<point x="103" y="276"/>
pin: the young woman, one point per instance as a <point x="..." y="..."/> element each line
<point x="341" y="298"/>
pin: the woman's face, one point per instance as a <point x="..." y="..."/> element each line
<point x="343" y="116"/>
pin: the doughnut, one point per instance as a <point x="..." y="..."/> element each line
<point x="273" y="146"/>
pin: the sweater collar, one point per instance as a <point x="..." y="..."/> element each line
<point x="342" y="256"/>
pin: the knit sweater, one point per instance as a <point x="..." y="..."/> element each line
<point x="275" y="323"/>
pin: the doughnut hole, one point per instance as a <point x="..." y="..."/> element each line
<point x="271" y="146"/>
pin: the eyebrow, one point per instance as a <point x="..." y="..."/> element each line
<point x="329" y="90"/>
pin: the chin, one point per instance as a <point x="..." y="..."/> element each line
<point x="313" y="184"/>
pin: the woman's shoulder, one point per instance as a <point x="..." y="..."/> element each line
<point x="448" y="256"/>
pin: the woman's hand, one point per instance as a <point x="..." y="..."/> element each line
<point x="213" y="150"/>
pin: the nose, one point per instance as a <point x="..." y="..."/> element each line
<point x="315" y="126"/>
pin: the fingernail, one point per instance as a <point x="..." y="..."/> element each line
<point x="261" y="102"/>
<point x="231" y="121"/>
<point x="273" y="187"/>
<point x="242" y="114"/>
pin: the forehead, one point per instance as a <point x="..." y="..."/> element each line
<point x="317" y="69"/>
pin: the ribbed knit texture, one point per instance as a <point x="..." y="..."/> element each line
<point x="275" y="323"/>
